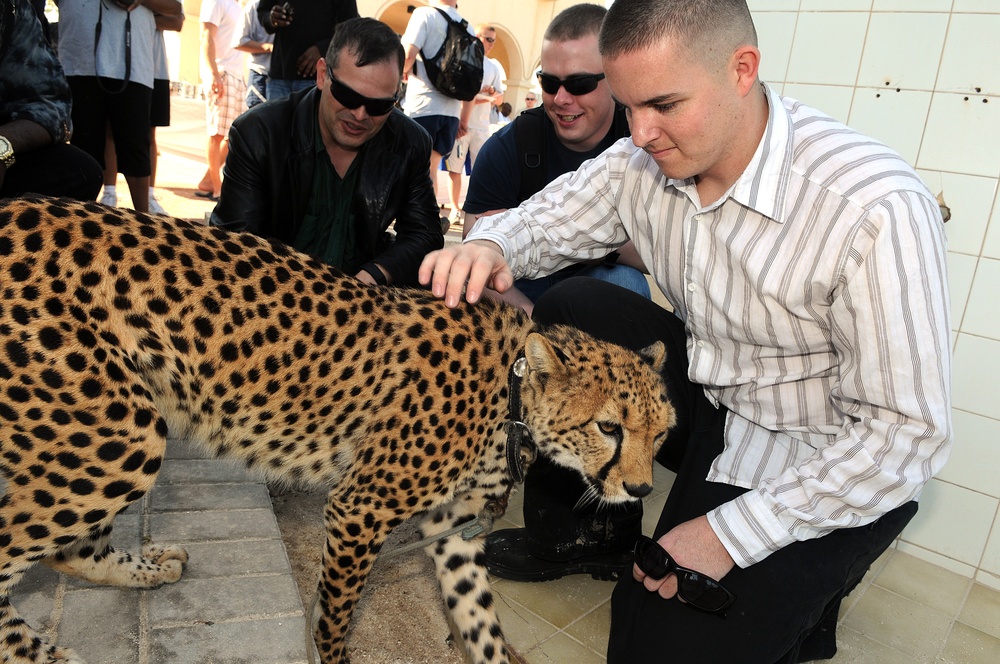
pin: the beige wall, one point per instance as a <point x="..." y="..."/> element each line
<point x="188" y="45"/>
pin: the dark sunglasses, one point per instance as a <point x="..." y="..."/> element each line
<point x="693" y="587"/>
<point x="349" y="98"/>
<point x="577" y="84"/>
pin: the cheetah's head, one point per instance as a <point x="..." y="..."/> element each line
<point x="597" y="408"/>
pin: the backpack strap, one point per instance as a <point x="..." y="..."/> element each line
<point x="449" y="20"/>
<point x="529" y="135"/>
<point x="530" y="132"/>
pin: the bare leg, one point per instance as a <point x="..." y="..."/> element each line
<point x="435" y="167"/>
<point x="215" y="159"/>
<point x="138" y="186"/>
<point x="153" y="154"/>
<point x="454" y="191"/>
<point x="110" y="158"/>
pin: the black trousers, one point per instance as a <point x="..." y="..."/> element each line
<point x="786" y="607"/>
<point x="127" y="112"/>
<point x="56" y="170"/>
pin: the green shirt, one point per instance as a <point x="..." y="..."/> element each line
<point x="328" y="230"/>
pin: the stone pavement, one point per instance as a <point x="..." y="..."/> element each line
<point x="236" y="602"/>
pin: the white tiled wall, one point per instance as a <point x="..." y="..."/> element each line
<point x="923" y="76"/>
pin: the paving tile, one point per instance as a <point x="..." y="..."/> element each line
<point x="180" y="527"/>
<point x="195" y="497"/>
<point x="202" y="471"/>
<point x="102" y="624"/>
<point x="194" y="601"/>
<point x="215" y="559"/>
<point x="269" y="641"/>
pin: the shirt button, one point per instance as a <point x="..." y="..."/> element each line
<point x="692" y="287"/>
<point x="701" y="343"/>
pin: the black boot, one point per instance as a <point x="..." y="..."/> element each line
<point x="560" y="538"/>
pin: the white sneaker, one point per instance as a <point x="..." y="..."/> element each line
<point x="109" y="198"/>
<point x="456" y="216"/>
<point x="154" y="206"/>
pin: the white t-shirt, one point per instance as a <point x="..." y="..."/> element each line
<point x="493" y="74"/>
<point x="427" y="30"/>
<point x="76" y="41"/>
<point x="227" y="17"/>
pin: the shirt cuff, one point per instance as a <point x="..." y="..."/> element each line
<point x="748" y="528"/>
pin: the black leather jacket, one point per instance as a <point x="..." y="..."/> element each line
<point x="269" y="174"/>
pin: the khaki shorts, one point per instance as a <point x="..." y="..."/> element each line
<point x="470" y="145"/>
<point x="220" y="113"/>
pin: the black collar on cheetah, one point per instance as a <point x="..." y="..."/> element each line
<point x="518" y="434"/>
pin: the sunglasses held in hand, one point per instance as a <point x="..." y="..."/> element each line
<point x="693" y="587"/>
<point x="351" y="99"/>
<point x="576" y="85"/>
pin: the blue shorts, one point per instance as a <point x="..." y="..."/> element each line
<point x="442" y="129"/>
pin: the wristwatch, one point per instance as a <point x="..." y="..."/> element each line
<point x="6" y="152"/>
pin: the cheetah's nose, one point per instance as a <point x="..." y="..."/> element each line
<point x="638" y="490"/>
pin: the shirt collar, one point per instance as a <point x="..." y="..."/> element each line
<point x="764" y="182"/>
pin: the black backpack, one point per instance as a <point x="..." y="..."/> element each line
<point x="457" y="68"/>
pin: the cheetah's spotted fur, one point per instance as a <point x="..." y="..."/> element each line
<point x="116" y="328"/>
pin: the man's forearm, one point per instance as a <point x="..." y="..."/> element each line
<point x="163" y="7"/>
<point x="208" y="47"/>
<point x="25" y="135"/>
<point x="411" y="58"/>
<point x="172" y="23"/>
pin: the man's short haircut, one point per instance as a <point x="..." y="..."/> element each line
<point x="369" y="40"/>
<point x="576" y="22"/>
<point x="703" y="27"/>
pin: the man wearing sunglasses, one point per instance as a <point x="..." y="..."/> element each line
<point x="808" y="346"/>
<point x="328" y="169"/>
<point x="576" y="122"/>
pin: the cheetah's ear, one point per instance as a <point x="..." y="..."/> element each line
<point x="654" y="355"/>
<point x="542" y="356"/>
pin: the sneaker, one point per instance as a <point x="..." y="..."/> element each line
<point x="109" y="198"/>
<point x="154" y="206"/>
<point x="507" y="557"/>
<point x="456" y="216"/>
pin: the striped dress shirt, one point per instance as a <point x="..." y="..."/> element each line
<point x="815" y="301"/>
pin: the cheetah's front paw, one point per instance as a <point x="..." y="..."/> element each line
<point x="170" y="559"/>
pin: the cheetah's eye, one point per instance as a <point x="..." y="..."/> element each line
<point x="612" y="429"/>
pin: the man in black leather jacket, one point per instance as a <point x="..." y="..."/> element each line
<point x="329" y="169"/>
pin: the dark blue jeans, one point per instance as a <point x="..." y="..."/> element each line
<point x="256" y="89"/>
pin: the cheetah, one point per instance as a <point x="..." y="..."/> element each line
<point x="117" y="328"/>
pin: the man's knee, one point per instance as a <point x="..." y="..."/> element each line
<point x="567" y="300"/>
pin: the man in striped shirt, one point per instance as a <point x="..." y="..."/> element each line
<point x="808" y="348"/>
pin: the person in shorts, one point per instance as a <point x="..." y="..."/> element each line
<point x="159" y="116"/>
<point x="225" y="90"/>
<point x="442" y="117"/>
<point x="111" y="74"/>
<point x="466" y="149"/>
